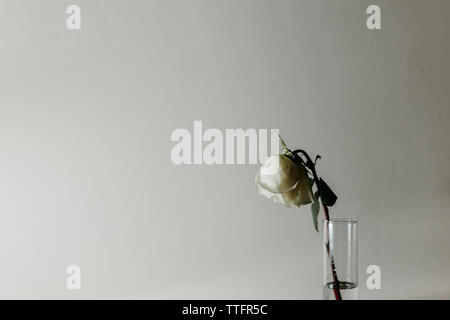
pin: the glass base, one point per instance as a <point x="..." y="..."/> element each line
<point x="349" y="291"/>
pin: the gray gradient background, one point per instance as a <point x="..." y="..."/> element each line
<point x="85" y="124"/>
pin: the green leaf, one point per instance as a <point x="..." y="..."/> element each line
<point x="317" y="195"/>
<point x="315" y="210"/>
<point x="311" y="182"/>
<point x="326" y="194"/>
<point x="289" y="155"/>
<point x="283" y="145"/>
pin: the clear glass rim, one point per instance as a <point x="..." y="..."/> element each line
<point x="340" y="220"/>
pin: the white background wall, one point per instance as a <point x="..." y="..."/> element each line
<point x="85" y="124"/>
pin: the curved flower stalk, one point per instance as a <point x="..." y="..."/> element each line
<point x="291" y="179"/>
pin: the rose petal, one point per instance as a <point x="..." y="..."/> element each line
<point x="301" y="194"/>
<point x="278" y="175"/>
<point x="274" y="196"/>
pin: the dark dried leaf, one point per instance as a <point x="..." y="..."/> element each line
<point x="326" y="194"/>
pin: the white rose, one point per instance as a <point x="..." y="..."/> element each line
<point x="283" y="181"/>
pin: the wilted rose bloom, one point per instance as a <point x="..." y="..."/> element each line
<point x="283" y="181"/>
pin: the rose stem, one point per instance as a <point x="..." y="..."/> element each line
<point x="311" y="166"/>
<point x="336" y="287"/>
